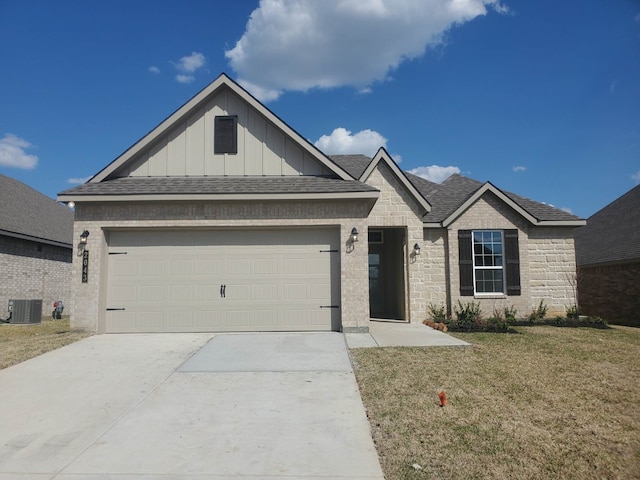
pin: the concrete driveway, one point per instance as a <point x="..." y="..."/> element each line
<point x="186" y="406"/>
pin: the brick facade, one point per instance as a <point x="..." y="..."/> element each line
<point x="397" y="208"/>
<point x="611" y="292"/>
<point x="89" y="299"/>
<point x="547" y="259"/>
<point x="34" y="271"/>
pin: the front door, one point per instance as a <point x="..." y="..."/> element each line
<point x="387" y="273"/>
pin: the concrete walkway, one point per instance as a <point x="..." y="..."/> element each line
<point x="187" y="406"/>
<point x="395" y="334"/>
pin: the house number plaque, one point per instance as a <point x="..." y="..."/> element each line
<point x="85" y="266"/>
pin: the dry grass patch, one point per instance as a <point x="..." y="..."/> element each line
<point x="546" y="402"/>
<point x="22" y="342"/>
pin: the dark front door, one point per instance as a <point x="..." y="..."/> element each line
<point x="386" y="273"/>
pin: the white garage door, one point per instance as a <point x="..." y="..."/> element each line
<point x="214" y="281"/>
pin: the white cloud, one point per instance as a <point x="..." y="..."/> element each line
<point x="12" y="153"/>
<point x="341" y="142"/>
<point x="78" y="180"/>
<point x="435" y="173"/>
<point x="153" y="69"/>
<point x="636" y="177"/>
<point x="303" y="44"/>
<point x="181" y="78"/>
<point x="190" y="63"/>
<point x="519" y="168"/>
<point x="567" y="209"/>
<point x="187" y="65"/>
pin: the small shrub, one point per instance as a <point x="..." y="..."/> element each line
<point x="495" y="324"/>
<point x="538" y="313"/>
<point x="510" y="314"/>
<point x="468" y="316"/>
<point x="437" y="313"/>
<point x="573" y="312"/>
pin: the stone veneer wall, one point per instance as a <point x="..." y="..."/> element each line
<point x="397" y="208"/>
<point x="611" y="292"/>
<point x="89" y="299"/>
<point x="552" y="267"/>
<point x="34" y="271"/>
<point x="547" y="259"/>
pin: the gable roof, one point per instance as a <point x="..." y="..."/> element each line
<point x="28" y="214"/>
<point x="382" y="156"/>
<point x="612" y="234"/>
<point x="197" y="101"/>
<point x="449" y="198"/>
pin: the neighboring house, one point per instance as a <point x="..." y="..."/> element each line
<point x="608" y="256"/>
<point x="35" y="246"/>
<point x="224" y="218"/>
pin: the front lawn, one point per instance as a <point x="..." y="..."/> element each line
<point x="546" y="402"/>
<point x="22" y="342"/>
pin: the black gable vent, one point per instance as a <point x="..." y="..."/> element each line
<point x="225" y="134"/>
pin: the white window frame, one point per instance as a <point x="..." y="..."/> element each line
<point x="483" y="267"/>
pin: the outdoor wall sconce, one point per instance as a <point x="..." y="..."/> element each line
<point x="82" y="246"/>
<point x="416" y="249"/>
<point x="354" y="235"/>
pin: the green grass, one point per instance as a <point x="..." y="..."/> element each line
<point x="22" y="342"/>
<point x="546" y="402"/>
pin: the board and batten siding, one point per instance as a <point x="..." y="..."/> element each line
<point x="187" y="149"/>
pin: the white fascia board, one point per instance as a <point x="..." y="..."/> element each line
<point x="488" y="187"/>
<point x="221" y="197"/>
<point x="382" y="155"/>
<point x="432" y="225"/>
<point x="195" y="102"/>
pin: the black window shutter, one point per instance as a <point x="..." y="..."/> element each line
<point x="225" y="134"/>
<point x="512" y="254"/>
<point x="465" y="262"/>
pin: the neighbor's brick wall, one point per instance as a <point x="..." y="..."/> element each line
<point x="611" y="292"/>
<point x="34" y="271"/>
<point x="89" y="299"/>
<point x="397" y="208"/>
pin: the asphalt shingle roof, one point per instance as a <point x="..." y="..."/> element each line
<point x="26" y="211"/>
<point x="447" y="196"/>
<point x="611" y="234"/>
<point x="218" y="185"/>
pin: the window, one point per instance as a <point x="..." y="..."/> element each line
<point x="489" y="262"/>
<point x="376" y="236"/>
<point x="225" y="134"/>
<point x="488" y="271"/>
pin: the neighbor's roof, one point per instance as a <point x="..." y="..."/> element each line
<point x="450" y="195"/>
<point x="611" y="234"/>
<point x="219" y="188"/>
<point x="27" y="213"/>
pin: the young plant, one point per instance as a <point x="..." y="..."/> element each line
<point x="437" y="313"/>
<point x="573" y="312"/>
<point x="468" y="316"/>
<point x="538" y="313"/>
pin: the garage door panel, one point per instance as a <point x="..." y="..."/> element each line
<point x="170" y="281"/>
<point x="151" y="293"/>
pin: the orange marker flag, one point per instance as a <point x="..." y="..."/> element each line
<point x="442" y="396"/>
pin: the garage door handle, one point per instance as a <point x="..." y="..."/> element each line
<point x="115" y="309"/>
<point x="223" y="289"/>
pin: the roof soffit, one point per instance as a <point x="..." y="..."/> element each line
<point x="197" y="101"/>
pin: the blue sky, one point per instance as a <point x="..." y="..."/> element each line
<point x="542" y="98"/>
